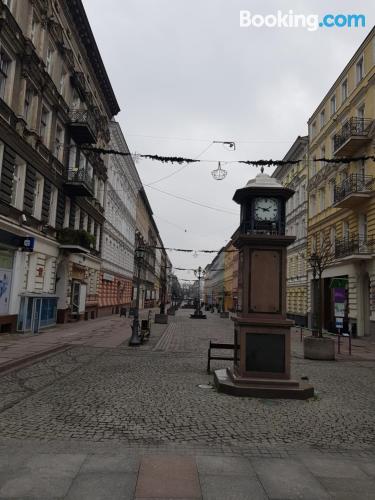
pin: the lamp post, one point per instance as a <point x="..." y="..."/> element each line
<point x="135" y="338"/>
<point x="199" y="273"/>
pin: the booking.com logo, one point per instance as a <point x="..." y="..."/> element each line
<point x="291" y="20"/>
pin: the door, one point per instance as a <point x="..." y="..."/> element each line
<point x="76" y="289"/>
<point x="36" y="315"/>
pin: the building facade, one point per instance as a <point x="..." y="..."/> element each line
<point x="214" y="288"/>
<point x="295" y="176"/>
<point x="55" y="97"/>
<point x="118" y="240"/>
<point x="341" y="195"/>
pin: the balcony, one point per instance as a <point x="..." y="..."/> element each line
<point x="75" y="241"/>
<point x="355" y="248"/>
<point x="354" y="133"/>
<point x="79" y="183"/>
<point x="82" y="126"/>
<point x="354" y="190"/>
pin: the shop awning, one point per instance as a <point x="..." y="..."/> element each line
<point x="339" y="282"/>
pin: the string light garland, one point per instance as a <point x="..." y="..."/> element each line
<point x="255" y="163"/>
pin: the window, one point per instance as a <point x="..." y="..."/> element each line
<point x="362" y="227"/>
<point x="59" y="142"/>
<point x="27" y="105"/>
<point x="313" y="129"/>
<point x="332" y="144"/>
<point x="62" y="82"/>
<point x="322" y="118"/>
<point x="49" y="60"/>
<point x="76" y="103"/>
<point x="332" y="236"/>
<point x="1" y="157"/>
<point x="322" y="155"/>
<point x="67" y="212"/>
<point x="34" y="31"/>
<point x="361" y="112"/>
<point x="38" y="196"/>
<point x="4" y="72"/>
<point x="345" y="230"/>
<point x="332" y="185"/>
<point x="322" y="199"/>
<point x="53" y="207"/>
<point x="344" y="90"/>
<point x="85" y="222"/>
<point x="77" y="218"/>
<point x="73" y="156"/>
<point x="313" y="205"/>
<point x="313" y="166"/>
<point x="333" y="105"/>
<point x="18" y="185"/>
<point x="359" y="70"/>
<point x="44" y="125"/>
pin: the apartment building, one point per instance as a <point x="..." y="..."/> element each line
<point x="295" y="176"/>
<point x="55" y="100"/>
<point x="118" y="241"/>
<point x="341" y="195"/>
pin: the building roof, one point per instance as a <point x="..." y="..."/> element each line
<point x="79" y="17"/>
<point x="294" y="153"/>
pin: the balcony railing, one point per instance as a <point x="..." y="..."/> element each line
<point x="353" y="190"/>
<point x="73" y="239"/>
<point x="352" y="133"/>
<point x="355" y="247"/>
<point x="83" y="126"/>
<point x="79" y="183"/>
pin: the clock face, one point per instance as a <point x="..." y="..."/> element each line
<point x="266" y="209"/>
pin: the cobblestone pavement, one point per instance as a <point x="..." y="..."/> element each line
<point x="126" y="423"/>
<point x="151" y="396"/>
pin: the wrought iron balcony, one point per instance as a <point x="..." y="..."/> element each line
<point x="353" y="190"/>
<point x="354" y="248"/>
<point x="352" y="135"/>
<point x="79" y="183"/>
<point x="83" y="126"/>
<point x="75" y="241"/>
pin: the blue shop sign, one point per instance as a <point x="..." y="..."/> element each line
<point x="28" y="244"/>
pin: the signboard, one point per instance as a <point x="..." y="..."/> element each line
<point x="28" y="244"/>
<point x="339" y="323"/>
<point x="108" y="277"/>
<point x="340" y="309"/>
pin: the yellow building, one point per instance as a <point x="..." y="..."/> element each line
<point x="341" y="195"/>
<point x="295" y="176"/>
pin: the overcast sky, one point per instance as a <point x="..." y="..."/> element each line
<point x="185" y="74"/>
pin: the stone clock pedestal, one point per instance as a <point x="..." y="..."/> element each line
<point x="262" y="340"/>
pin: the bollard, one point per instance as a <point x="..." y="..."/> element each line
<point x="350" y="344"/>
<point x="301" y="335"/>
<point x="338" y="342"/>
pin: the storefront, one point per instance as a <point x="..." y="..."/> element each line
<point x="7" y="320"/>
<point x="36" y="312"/>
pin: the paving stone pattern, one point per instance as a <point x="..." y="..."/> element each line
<point x="149" y="397"/>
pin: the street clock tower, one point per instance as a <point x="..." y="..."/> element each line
<point x="261" y="329"/>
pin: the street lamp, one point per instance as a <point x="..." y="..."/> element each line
<point x="199" y="273"/>
<point x="135" y="339"/>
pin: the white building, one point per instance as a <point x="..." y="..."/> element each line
<point x="118" y="239"/>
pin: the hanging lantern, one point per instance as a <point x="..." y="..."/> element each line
<point x="219" y="174"/>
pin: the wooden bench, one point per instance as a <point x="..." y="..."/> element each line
<point x="215" y="345"/>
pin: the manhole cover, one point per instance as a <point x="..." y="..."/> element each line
<point x="205" y="386"/>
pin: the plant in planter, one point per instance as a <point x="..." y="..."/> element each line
<point x="316" y="346"/>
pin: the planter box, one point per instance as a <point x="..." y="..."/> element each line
<point x="162" y="319"/>
<point x="319" y="348"/>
